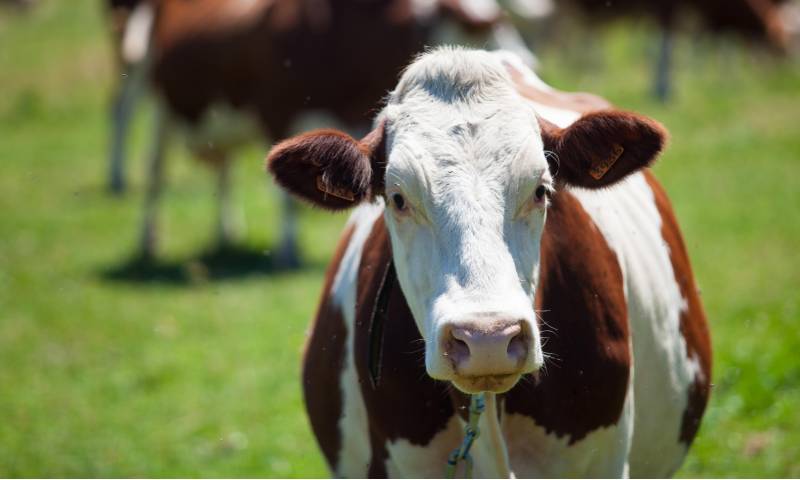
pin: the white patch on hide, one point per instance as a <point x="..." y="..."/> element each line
<point x="407" y="460"/>
<point x="629" y="220"/>
<point x="355" y="453"/>
<point x="602" y="453"/>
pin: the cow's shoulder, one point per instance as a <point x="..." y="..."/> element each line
<point x="580" y="302"/>
<point x="323" y="361"/>
<point x="403" y="403"/>
<point x="327" y="360"/>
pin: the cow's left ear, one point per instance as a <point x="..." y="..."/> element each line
<point x="603" y="147"/>
<point x="329" y="168"/>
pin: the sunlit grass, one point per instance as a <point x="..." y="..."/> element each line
<point x="200" y="377"/>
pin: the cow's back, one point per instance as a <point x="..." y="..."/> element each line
<point x="277" y="58"/>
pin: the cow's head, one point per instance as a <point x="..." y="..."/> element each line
<point x="466" y="170"/>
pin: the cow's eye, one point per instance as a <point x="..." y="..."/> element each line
<point x="540" y="192"/>
<point x="399" y="202"/>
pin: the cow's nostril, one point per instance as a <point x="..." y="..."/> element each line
<point x="518" y="347"/>
<point x="457" y="350"/>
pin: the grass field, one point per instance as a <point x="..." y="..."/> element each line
<point x="195" y="372"/>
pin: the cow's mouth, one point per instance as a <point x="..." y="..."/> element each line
<point x="487" y="383"/>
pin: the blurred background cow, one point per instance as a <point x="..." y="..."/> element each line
<point x="226" y="72"/>
<point x="762" y="21"/>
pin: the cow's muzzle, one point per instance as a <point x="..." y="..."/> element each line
<point x="489" y="354"/>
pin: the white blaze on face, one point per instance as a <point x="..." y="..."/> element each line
<point x="465" y="212"/>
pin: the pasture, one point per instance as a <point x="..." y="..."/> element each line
<point x="191" y="368"/>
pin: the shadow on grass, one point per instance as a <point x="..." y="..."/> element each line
<point x="220" y="264"/>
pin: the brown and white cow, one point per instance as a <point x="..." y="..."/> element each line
<point x="228" y="72"/>
<point x="766" y="21"/>
<point x="130" y="22"/>
<point x="506" y="242"/>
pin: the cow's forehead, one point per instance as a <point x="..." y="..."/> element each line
<point x="449" y="118"/>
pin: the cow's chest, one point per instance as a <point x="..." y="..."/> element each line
<point x="532" y="451"/>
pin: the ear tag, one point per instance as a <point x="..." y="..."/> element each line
<point x="601" y="168"/>
<point x="337" y="192"/>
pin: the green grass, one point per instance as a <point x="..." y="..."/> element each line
<point x="199" y="376"/>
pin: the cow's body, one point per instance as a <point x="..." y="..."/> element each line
<point x="627" y="373"/>
<point x="764" y="21"/>
<point x="229" y="72"/>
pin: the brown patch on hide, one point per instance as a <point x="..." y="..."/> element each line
<point x="278" y="58"/>
<point x="585" y="331"/>
<point x="180" y="20"/>
<point x="323" y="364"/>
<point x="406" y="404"/>
<point x="692" y="320"/>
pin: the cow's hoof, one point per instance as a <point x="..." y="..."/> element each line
<point x="287" y="257"/>
<point x="143" y="258"/>
<point x="117" y="187"/>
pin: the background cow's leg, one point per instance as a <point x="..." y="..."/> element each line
<point x="122" y="109"/>
<point x="132" y="49"/>
<point x="226" y="228"/>
<point x="288" y="254"/>
<point x="666" y="20"/>
<point x="663" y="64"/>
<point x="154" y="182"/>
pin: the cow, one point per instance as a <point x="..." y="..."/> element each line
<point x="226" y="72"/>
<point x="507" y="238"/>
<point x="766" y="21"/>
<point x="21" y="5"/>
<point x="129" y="21"/>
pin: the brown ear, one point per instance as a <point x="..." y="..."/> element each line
<point x="329" y="168"/>
<point x="602" y="147"/>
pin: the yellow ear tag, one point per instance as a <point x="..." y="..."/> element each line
<point x="337" y="192"/>
<point x="600" y="169"/>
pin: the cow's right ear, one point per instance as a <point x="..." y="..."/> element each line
<point x="329" y="168"/>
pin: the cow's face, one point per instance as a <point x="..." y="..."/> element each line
<point x="461" y="161"/>
<point x="466" y="189"/>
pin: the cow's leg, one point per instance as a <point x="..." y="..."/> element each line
<point x="154" y="182"/>
<point x="288" y="254"/>
<point x="129" y="91"/>
<point x="226" y="229"/>
<point x="663" y="63"/>
<point x="122" y="108"/>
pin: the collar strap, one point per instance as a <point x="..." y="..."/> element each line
<point x="376" y="323"/>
